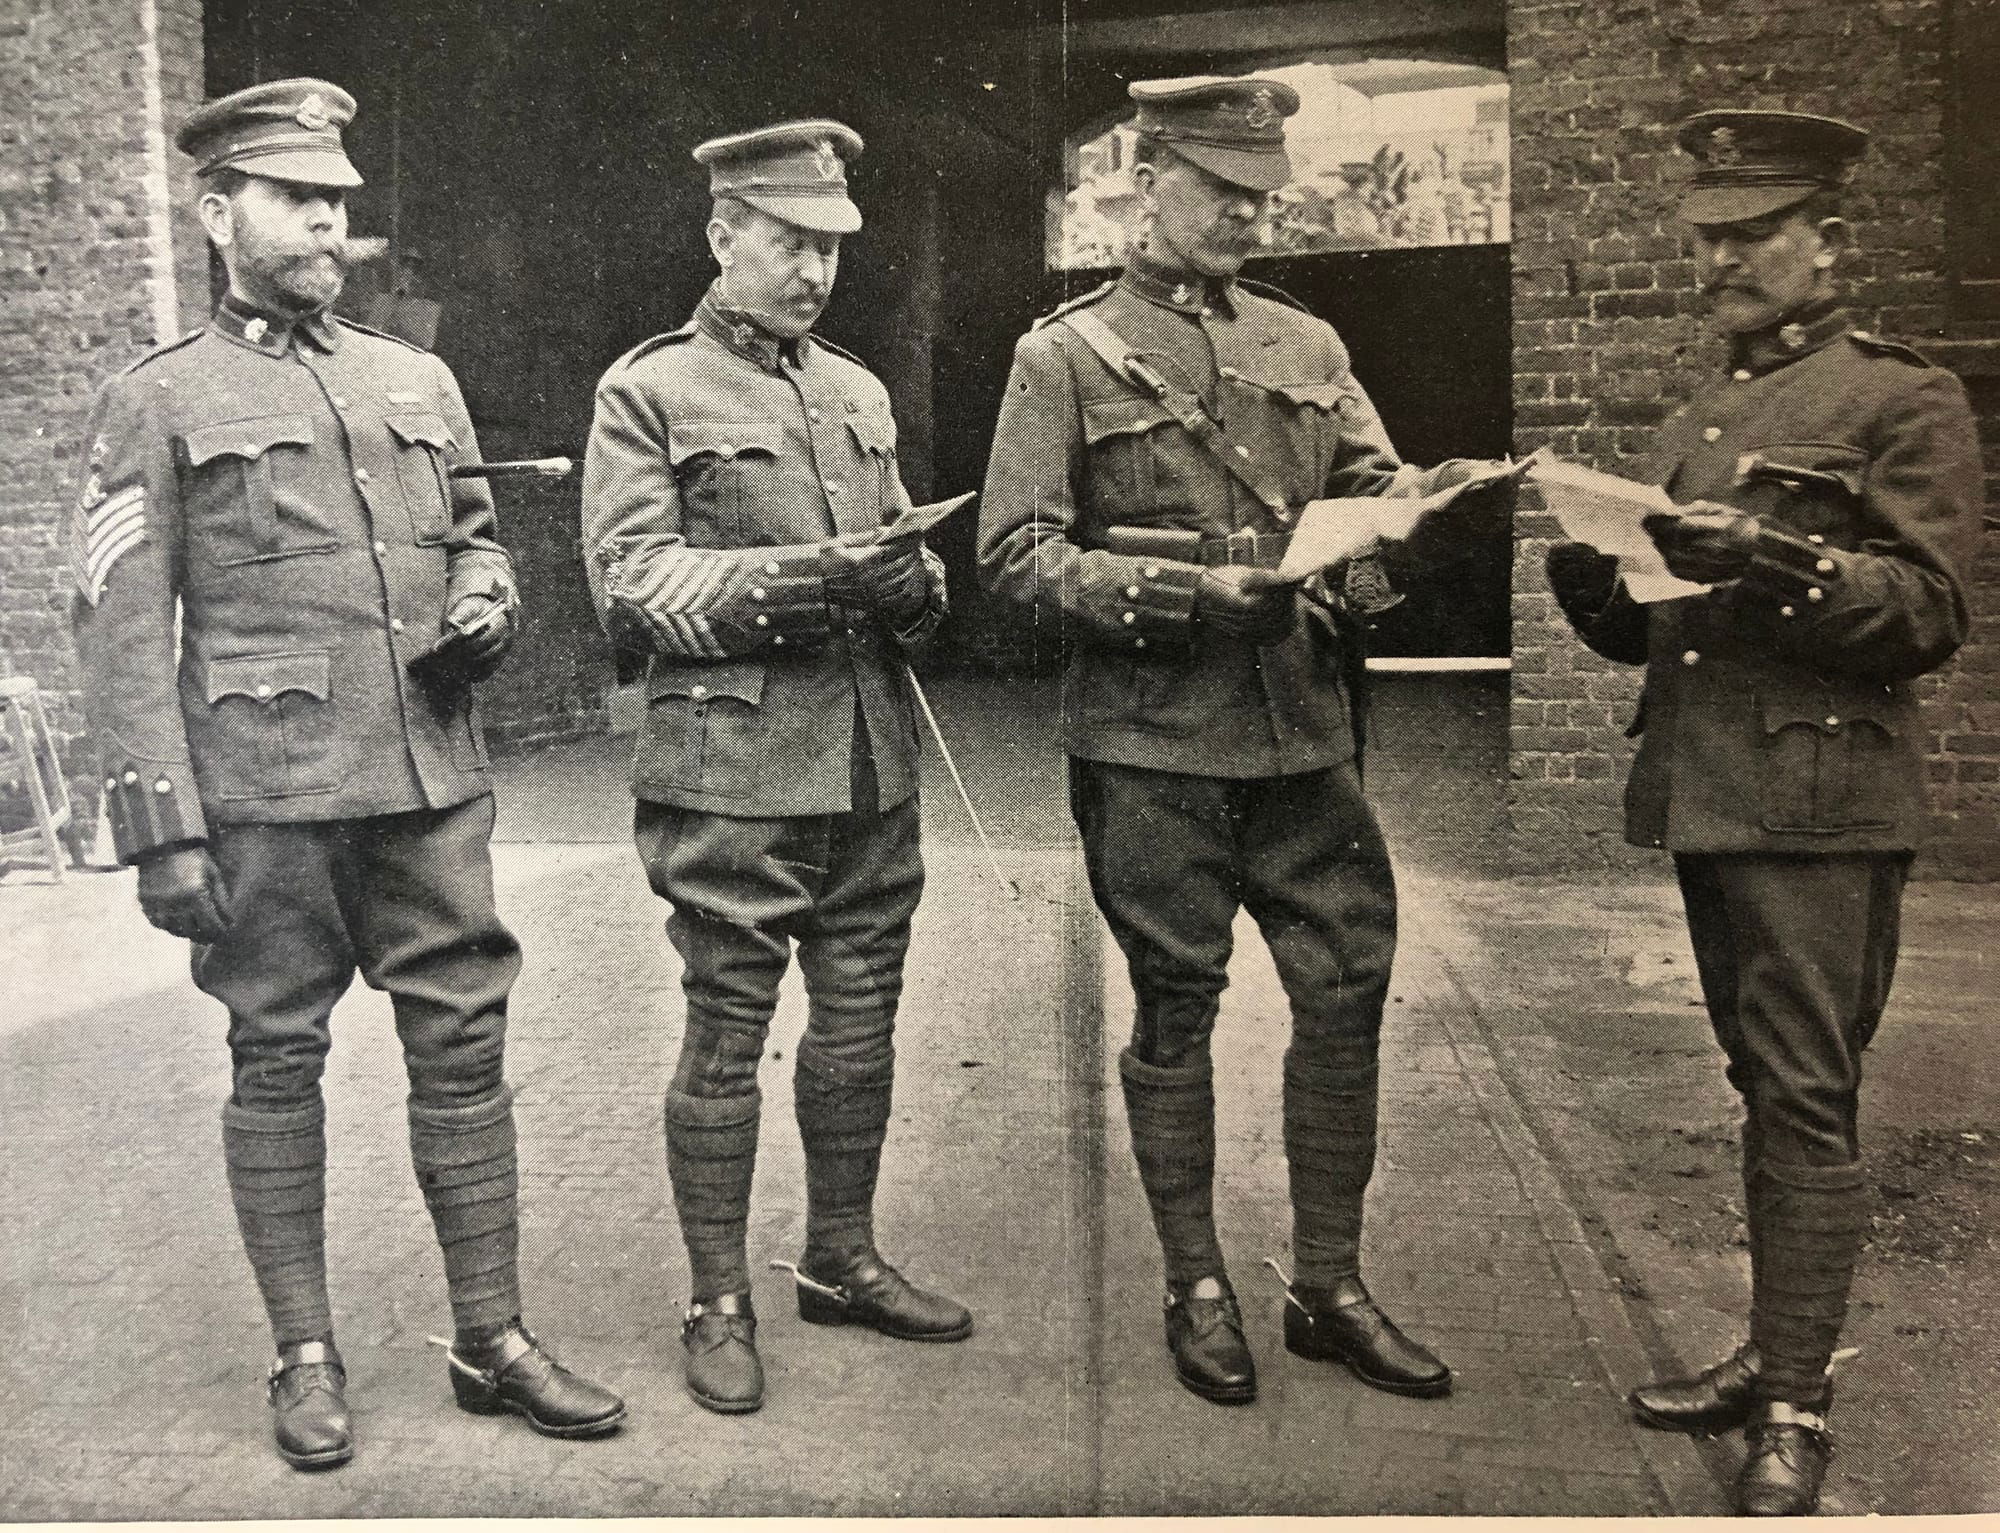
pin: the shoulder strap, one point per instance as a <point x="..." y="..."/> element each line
<point x="1194" y="418"/>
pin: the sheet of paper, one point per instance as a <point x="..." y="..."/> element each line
<point x="1607" y="513"/>
<point x="1329" y="531"/>
<point x="921" y="519"/>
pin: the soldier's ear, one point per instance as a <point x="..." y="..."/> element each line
<point x="218" y="219"/>
<point x="721" y="242"/>
<point x="1145" y="184"/>
<point x="1836" y="237"/>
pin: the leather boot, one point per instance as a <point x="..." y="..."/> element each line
<point x="1714" y="1400"/>
<point x="859" y="1288"/>
<point x="724" y="1372"/>
<point x="508" y="1371"/>
<point x="308" y="1408"/>
<point x="1205" y="1338"/>
<point x="1789" y="1448"/>
<point x="1342" y="1324"/>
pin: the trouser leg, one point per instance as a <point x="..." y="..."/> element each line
<point x="851" y="952"/>
<point x="417" y="889"/>
<point x="1319" y="883"/>
<point x="279" y="969"/>
<point x="1815" y="944"/>
<point x="1160" y="850"/>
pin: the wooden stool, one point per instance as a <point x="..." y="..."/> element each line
<point x="28" y="752"/>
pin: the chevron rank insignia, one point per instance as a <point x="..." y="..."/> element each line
<point x="103" y="529"/>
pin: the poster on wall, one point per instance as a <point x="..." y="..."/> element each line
<point x="1388" y="153"/>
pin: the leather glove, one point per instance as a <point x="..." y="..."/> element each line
<point x="1705" y="542"/>
<point x="182" y="893"/>
<point x="1582" y="580"/>
<point x="887" y="579"/>
<point x="1245" y="603"/>
<point x="476" y="635"/>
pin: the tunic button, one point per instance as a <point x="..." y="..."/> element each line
<point x="395" y="625"/>
<point x="1228" y="372"/>
<point x="1132" y="592"/>
<point x="263" y="689"/>
<point x="756" y="593"/>
<point x="1741" y="375"/>
<point x="110" y="784"/>
<point x="1242" y="451"/>
<point x="1138" y="643"/>
<point x="381" y="548"/>
<point x="1815" y="594"/>
<point x="1815" y="537"/>
<point x="163" y="786"/>
<point x="1832" y="721"/>
<point x="339" y="402"/>
<point x="361" y="476"/>
<point x="771" y="569"/>
<point x="1711" y="433"/>
<point x="697" y="691"/>
<point x="1691" y="657"/>
<point x="763" y="620"/>
<point x="130" y="778"/>
<point x="832" y="488"/>
<point x="777" y="638"/>
<point x="1825" y="566"/>
<point x="1152" y="572"/>
<point x="813" y="416"/>
<point x="1788" y="611"/>
<point x="1130" y="617"/>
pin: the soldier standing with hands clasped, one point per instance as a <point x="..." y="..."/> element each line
<point x="739" y="475"/>
<point x="1157" y="439"/>
<point x="1830" y="493"/>
<point x="302" y="785"/>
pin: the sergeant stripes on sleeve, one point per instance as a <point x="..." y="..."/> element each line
<point x="103" y="536"/>
<point x="676" y="591"/>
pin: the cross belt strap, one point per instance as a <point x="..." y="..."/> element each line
<point x="1194" y="418"/>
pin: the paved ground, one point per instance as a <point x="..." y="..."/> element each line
<point x="130" y="1369"/>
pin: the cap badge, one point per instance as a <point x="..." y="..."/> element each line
<point x="827" y="161"/>
<point x="1723" y="148"/>
<point x="1263" y="110"/>
<point x="99" y="450"/>
<point x="253" y="330"/>
<point x="1792" y="336"/>
<point x="311" y="115"/>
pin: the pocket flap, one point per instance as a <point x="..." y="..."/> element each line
<point x="425" y="430"/>
<point x="740" y="679"/>
<point x="247" y="439"/>
<point x="1806" y="465"/>
<point x="1828" y="715"/>
<point x="722" y="439"/>
<point x="263" y="678"/>
<point x="1334" y="398"/>
<point x="1119" y="417"/>
<point x="874" y="430"/>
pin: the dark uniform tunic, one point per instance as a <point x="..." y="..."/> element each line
<point x="283" y="490"/>
<point x="1208" y="772"/>
<point x="1782" y="756"/>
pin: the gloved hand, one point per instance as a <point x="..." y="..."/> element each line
<point x="1582" y="580"/>
<point x="887" y="579"/>
<point x="182" y="893"/>
<point x="1245" y="603"/>
<point x="1704" y="542"/>
<point x="476" y="634"/>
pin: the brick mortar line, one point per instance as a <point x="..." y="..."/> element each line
<point x="1679" y="1472"/>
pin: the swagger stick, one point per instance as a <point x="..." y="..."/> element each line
<point x="965" y="798"/>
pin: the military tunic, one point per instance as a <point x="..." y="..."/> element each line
<point x="286" y="494"/>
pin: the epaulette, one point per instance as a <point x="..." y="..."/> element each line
<point x="1881" y="345"/>
<point x="1074" y="304"/>
<point x="1275" y="294"/>
<point x="381" y="335"/>
<point x="653" y="343"/>
<point x="161" y="350"/>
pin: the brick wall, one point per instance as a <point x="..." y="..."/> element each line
<point x="93" y="270"/>
<point x="1608" y="339"/>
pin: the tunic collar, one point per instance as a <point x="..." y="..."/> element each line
<point x="261" y="330"/>
<point x="743" y="335"/>
<point x="1183" y="292"/>
<point x="1800" y="334"/>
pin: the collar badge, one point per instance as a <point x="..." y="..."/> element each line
<point x="311" y="115"/>
<point x="1793" y="336"/>
<point x="99" y="450"/>
<point x="254" y="330"/>
<point x="93" y="493"/>
<point x="1183" y="293"/>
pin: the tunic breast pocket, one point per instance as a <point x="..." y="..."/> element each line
<point x="248" y="489"/>
<point x="1808" y="488"/>
<point x="1828" y="766"/>
<point x="270" y="730"/>
<point x="1130" y="465"/>
<point x="421" y="442"/>
<point x="719" y="467"/>
<point x="874" y="433"/>
<point x="706" y="724"/>
<point x="1308" y="427"/>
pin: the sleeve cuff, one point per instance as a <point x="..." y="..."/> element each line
<point x="1152" y="603"/>
<point x="1791" y="571"/>
<point x="151" y="805"/>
